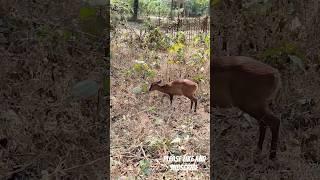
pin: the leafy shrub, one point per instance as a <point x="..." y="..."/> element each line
<point x="142" y="69"/>
<point x="155" y="39"/>
<point x="198" y="7"/>
<point x="119" y="13"/>
<point x="285" y="55"/>
<point x="178" y="51"/>
<point x="154" y="7"/>
<point x="180" y="37"/>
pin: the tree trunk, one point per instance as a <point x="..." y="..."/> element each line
<point x="135" y="10"/>
<point x="171" y="10"/>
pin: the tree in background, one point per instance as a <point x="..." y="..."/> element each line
<point x="171" y="9"/>
<point x="166" y="7"/>
<point x="196" y="7"/>
<point x="135" y="10"/>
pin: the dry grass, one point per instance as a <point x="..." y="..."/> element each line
<point x="137" y="120"/>
<point x="299" y="145"/>
<point x="48" y="138"/>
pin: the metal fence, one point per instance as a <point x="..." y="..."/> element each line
<point x="191" y="26"/>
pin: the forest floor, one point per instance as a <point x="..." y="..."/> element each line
<point x="298" y="108"/>
<point x="144" y="127"/>
<point x="43" y="136"/>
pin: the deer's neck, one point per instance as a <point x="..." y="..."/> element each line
<point x="165" y="89"/>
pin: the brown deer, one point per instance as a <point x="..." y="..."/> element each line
<point x="250" y="85"/>
<point x="178" y="87"/>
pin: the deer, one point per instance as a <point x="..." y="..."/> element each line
<point x="251" y="86"/>
<point x="180" y="87"/>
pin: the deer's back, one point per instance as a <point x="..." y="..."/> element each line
<point x="242" y="81"/>
<point x="183" y="86"/>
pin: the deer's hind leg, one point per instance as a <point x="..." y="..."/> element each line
<point x="265" y="118"/>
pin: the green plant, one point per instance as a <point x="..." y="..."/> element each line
<point x="154" y="7"/>
<point x="201" y="56"/>
<point x="54" y="38"/>
<point x="207" y="41"/>
<point x="155" y="39"/>
<point x="199" y="78"/>
<point x="201" y="39"/>
<point x="156" y="143"/>
<point x="87" y="12"/>
<point x="120" y="11"/>
<point x="198" y="59"/>
<point x="257" y="7"/>
<point x="85" y="89"/>
<point x="180" y="37"/>
<point x="144" y="166"/>
<point x="177" y="50"/>
<point x="198" y="7"/>
<point x="196" y="40"/>
<point x="148" y="25"/>
<point x="286" y="54"/>
<point x="142" y="69"/>
<point x="215" y="2"/>
<point x="142" y="88"/>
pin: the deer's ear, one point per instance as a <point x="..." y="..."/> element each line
<point x="159" y="81"/>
